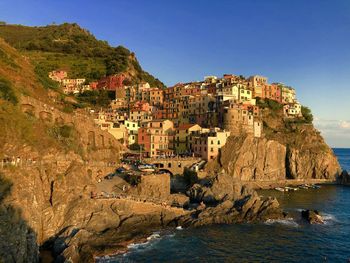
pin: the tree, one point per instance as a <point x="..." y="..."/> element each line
<point x="307" y="114"/>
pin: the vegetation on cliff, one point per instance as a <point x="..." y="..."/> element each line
<point x="6" y="91"/>
<point x="73" y="48"/>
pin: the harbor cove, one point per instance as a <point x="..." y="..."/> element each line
<point x="288" y="240"/>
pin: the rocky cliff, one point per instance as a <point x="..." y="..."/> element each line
<point x="287" y="150"/>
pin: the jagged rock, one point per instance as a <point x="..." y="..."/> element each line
<point x="223" y="187"/>
<point x="233" y="203"/>
<point x="344" y="178"/>
<point x="313" y="217"/>
<point x="180" y="200"/>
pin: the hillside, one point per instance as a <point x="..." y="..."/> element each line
<point x="48" y="158"/>
<point x="75" y="49"/>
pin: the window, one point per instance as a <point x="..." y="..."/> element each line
<point x="212" y="149"/>
<point x="211" y="142"/>
<point x="218" y="142"/>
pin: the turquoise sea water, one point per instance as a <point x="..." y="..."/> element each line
<point x="289" y="240"/>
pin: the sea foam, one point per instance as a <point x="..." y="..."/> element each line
<point x="286" y="222"/>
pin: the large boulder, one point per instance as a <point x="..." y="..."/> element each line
<point x="344" y="178"/>
<point x="222" y="187"/>
<point x="312" y="216"/>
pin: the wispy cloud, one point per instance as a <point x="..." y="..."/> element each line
<point x="336" y="132"/>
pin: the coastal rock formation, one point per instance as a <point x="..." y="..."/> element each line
<point x="112" y="222"/>
<point x="247" y="158"/>
<point x="234" y="203"/>
<point x="301" y="154"/>
<point x="344" y="178"/>
<point x="313" y="217"/>
<point x="221" y="188"/>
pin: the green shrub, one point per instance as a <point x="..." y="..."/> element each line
<point x="42" y="74"/>
<point x="5" y="187"/>
<point x="7" y="92"/>
<point x="68" y="108"/>
<point x="100" y="98"/>
<point x="66" y="131"/>
<point x="306" y="112"/>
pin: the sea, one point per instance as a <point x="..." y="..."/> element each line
<point x="289" y="240"/>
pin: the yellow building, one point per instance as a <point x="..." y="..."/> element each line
<point x="117" y="130"/>
<point x="132" y="127"/>
<point x="140" y="115"/>
<point x="207" y="144"/>
<point x="257" y="81"/>
<point x="288" y="95"/>
<point x="245" y="94"/>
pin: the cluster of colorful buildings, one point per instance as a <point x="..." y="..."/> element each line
<point x="193" y="118"/>
<point x="79" y="85"/>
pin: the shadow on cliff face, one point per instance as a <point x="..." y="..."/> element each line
<point x="287" y="164"/>
<point x="18" y="242"/>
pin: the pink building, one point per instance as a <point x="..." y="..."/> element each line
<point x="272" y="91"/>
<point x="156" y="137"/>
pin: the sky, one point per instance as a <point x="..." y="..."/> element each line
<point x="304" y="44"/>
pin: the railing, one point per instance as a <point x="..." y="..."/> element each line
<point x="175" y="158"/>
<point x="136" y="198"/>
<point x="22" y="163"/>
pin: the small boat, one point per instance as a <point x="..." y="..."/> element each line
<point x="280" y="189"/>
<point x="314" y="186"/>
<point x="291" y="188"/>
<point x="303" y="186"/>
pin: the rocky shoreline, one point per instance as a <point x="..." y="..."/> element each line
<point x="224" y="201"/>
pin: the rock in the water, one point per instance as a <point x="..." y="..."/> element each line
<point x="312" y="216"/>
<point x="344" y="178"/>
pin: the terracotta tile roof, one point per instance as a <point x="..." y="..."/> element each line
<point x="186" y="126"/>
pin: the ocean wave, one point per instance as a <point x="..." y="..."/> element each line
<point x="134" y="246"/>
<point x="155" y="235"/>
<point x="287" y="222"/>
<point x="329" y="218"/>
<point x="150" y="241"/>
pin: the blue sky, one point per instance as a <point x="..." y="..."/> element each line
<point x="305" y="44"/>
